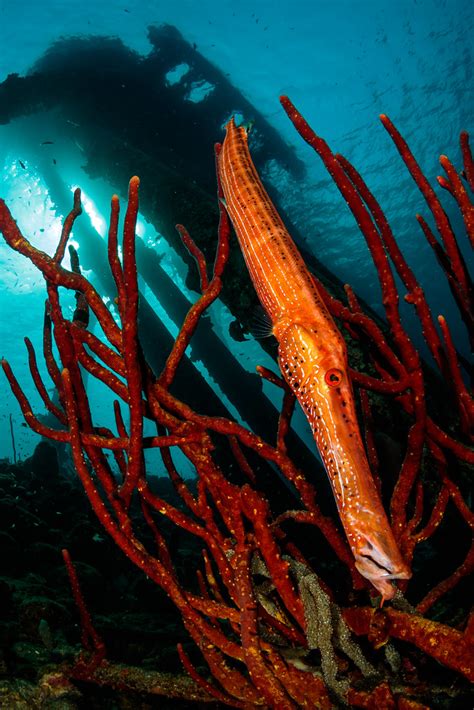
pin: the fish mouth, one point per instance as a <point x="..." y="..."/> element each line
<point x="374" y="570"/>
<point x="379" y="569"/>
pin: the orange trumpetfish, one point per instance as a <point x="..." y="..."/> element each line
<point x="313" y="360"/>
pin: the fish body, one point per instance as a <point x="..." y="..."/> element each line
<point x="312" y="358"/>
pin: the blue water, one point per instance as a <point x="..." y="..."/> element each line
<point x="341" y="62"/>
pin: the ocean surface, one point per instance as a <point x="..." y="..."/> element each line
<point x="341" y="62"/>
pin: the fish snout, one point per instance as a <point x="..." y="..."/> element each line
<point x="377" y="565"/>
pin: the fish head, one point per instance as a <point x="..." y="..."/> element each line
<point x="317" y="370"/>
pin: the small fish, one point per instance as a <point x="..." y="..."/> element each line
<point x="47" y="143"/>
<point x="313" y="360"/>
<point x="22" y="164"/>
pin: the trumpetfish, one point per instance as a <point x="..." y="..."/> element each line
<point x="312" y="357"/>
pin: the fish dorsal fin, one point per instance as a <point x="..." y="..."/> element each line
<point x="261" y="325"/>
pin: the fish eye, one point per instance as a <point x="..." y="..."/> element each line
<point x="333" y="377"/>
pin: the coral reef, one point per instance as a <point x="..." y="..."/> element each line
<point x="275" y="626"/>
